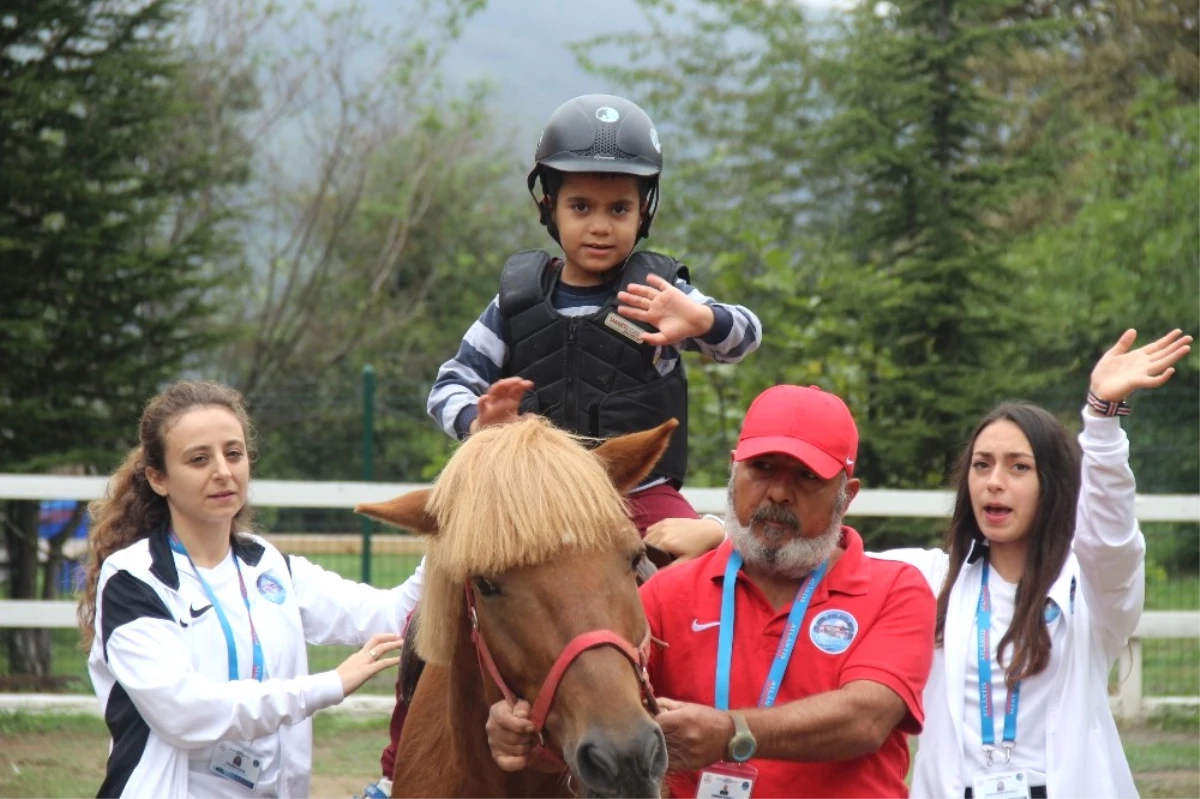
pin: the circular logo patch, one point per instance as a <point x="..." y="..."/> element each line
<point x="607" y="114"/>
<point x="833" y="631"/>
<point x="271" y="588"/>
<point x="654" y="140"/>
<point x="1052" y="611"/>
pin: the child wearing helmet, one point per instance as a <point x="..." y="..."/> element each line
<point x="591" y="340"/>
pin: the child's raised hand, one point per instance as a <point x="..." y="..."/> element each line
<point x="667" y="308"/>
<point x="1121" y="371"/>
<point x="502" y="402"/>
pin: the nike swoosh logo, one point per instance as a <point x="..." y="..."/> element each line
<point x="697" y="626"/>
<point x="198" y="613"/>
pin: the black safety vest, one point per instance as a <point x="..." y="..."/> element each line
<point x="591" y="375"/>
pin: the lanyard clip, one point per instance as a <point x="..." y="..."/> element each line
<point x="988" y="751"/>
<point x="1008" y="747"/>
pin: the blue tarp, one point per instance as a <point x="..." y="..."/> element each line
<point x="52" y="517"/>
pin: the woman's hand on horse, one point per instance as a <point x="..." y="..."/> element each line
<point x="511" y="735"/>
<point x="685" y="538"/>
<point x="1121" y="371"/>
<point x="502" y="402"/>
<point x="697" y="735"/>
<point x="369" y="661"/>
<point x="661" y="304"/>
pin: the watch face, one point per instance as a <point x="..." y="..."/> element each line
<point x="742" y="747"/>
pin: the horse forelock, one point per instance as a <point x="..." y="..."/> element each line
<point x="512" y="495"/>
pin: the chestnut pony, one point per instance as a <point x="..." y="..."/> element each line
<point x="530" y="548"/>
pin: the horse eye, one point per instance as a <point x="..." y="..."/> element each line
<point x="485" y="587"/>
<point x="636" y="561"/>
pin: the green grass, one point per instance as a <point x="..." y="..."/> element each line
<point x="61" y="755"/>
<point x="66" y="724"/>
<point x="58" y="755"/>
<point x="1180" y="592"/>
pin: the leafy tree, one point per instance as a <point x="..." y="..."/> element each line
<point x="911" y="160"/>
<point x="843" y="182"/>
<point x="379" y="212"/>
<point x="733" y="90"/>
<point x="1120" y="248"/>
<point x="107" y="275"/>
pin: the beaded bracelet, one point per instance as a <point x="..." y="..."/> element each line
<point x="1107" y="408"/>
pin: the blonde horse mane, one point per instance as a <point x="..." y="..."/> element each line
<point x="512" y="495"/>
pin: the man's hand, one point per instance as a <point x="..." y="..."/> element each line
<point x="685" y="538"/>
<point x="510" y="733"/>
<point x="502" y="402"/>
<point x="697" y="735"/>
<point x="667" y="308"/>
<point x="1121" y="371"/>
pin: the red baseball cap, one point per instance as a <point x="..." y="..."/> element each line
<point x="811" y="425"/>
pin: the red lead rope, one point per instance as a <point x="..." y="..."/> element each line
<point x="578" y="645"/>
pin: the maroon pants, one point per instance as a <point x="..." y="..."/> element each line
<point x="645" y="509"/>
<point x="663" y="501"/>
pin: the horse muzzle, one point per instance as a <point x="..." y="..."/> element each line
<point x="632" y="764"/>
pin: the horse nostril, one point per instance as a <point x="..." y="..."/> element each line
<point x="597" y="769"/>
<point x="656" y="753"/>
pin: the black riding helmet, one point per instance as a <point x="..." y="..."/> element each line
<point x="599" y="133"/>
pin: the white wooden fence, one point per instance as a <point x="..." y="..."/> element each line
<point x="870" y="502"/>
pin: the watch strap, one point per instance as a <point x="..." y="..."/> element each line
<point x="741" y="735"/>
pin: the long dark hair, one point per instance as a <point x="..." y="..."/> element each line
<point x="1056" y="456"/>
<point x="130" y="510"/>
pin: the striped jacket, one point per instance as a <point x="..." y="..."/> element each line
<point x="484" y="352"/>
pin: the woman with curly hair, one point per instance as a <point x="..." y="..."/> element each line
<point x="197" y="627"/>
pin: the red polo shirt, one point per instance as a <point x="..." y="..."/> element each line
<point x="868" y="620"/>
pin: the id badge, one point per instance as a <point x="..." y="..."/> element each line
<point x="235" y="763"/>
<point x="1011" y="784"/>
<point x="726" y="781"/>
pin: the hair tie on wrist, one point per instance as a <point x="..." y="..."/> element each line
<point x="1106" y="408"/>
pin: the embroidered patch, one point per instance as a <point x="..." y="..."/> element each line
<point x="1052" y="611"/>
<point x="607" y="114"/>
<point x="833" y="631"/>
<point x="271" y="588"/>
<point x="623" y="326"/>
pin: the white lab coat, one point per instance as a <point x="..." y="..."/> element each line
<point x="1084" y="756"/>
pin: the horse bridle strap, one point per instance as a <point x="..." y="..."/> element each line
<point x="578" y="645"/>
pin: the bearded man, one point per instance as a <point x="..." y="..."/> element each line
<point x="793" y="664"/>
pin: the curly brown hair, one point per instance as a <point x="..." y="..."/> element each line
<point x="130" y="510"/>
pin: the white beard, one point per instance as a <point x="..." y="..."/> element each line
<point x="785" y="553"/>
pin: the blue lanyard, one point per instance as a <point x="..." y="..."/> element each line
<point x="987" y="722"/>
<point x="782" y="655"/>
<point x="258" y="669"/>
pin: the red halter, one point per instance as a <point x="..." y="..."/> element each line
<point x="578" y="645"/>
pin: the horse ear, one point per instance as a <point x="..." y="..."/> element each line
<point x="629" y="458"/>
<point x="407" y="511"/>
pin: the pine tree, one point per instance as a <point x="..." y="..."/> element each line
<point x="105" y="292"/>
<point x="915" y="180"/>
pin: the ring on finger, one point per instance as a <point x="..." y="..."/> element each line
<point x="374" y="655"/>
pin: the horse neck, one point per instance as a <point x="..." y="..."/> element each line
<point x="471" y="696"/>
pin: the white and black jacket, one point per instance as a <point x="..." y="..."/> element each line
<point x="161" y="673"/>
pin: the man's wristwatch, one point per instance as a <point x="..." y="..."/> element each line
<point x="742" y="745"/>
